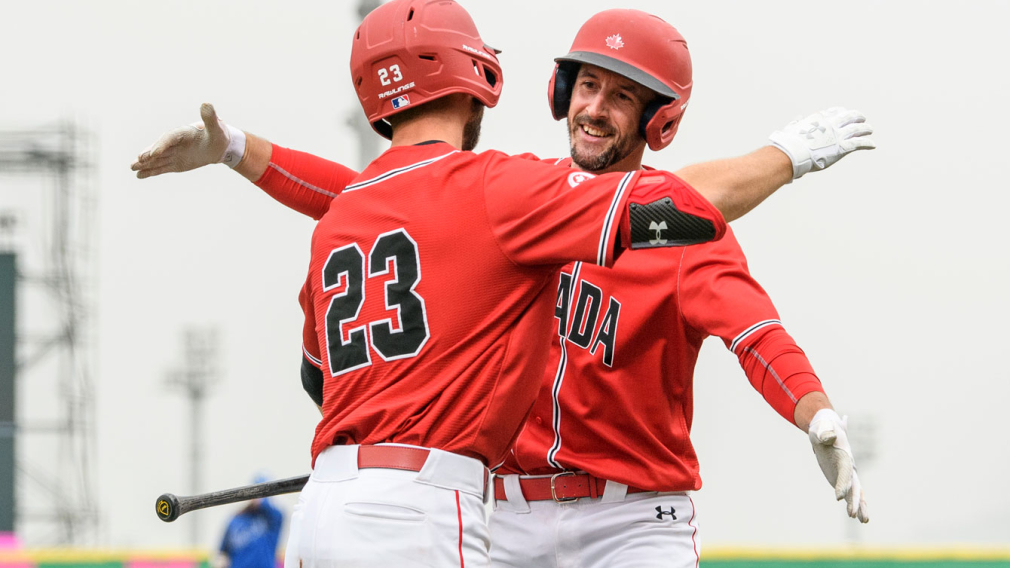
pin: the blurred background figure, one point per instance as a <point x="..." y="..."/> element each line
<point x="250" y="540"/>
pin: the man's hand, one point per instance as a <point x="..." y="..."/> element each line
<point x="823" y="138"/>
<point x="190" y="147"/>
<point x="831" y="446"/>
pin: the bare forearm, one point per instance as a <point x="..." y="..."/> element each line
<point x="737" y="185"/>
<point x="256" y="159"/>
<point x="807" y="406"/>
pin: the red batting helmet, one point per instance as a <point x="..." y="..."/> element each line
<point x="641" y="47"/>
<point x="409" y="52"/>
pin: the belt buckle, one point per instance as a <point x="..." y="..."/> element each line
<point x="554" y="493"/>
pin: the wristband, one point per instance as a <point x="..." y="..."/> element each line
<point x="799" y="153"/>
<point x="235" y="151"/>
<point x="828" y="414"/>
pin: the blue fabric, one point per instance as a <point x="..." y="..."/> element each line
<point x="250" y="541"/>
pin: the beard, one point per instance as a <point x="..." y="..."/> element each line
<point x="471" y="131"/>
<point x="618" y="149"/>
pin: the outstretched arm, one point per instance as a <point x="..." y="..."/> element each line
<point x="719" y="297"/>
<point x="737" y="185"/>
<point x="300" y="181"/>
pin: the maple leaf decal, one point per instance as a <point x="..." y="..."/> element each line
<point x="615" y="42"/>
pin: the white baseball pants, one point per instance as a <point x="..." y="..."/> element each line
<point x="376" y="517"/>
<point x="642" y="530"/>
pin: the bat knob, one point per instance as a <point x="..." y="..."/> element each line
<point x="167" y="507"/>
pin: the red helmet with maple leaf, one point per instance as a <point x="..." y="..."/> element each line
<point x="641" y="47"/>
<point x="408" y="52"/>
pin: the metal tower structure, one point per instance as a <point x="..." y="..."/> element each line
<point x="46" y="199"/>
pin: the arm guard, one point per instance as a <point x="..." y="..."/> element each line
<point x="663" y="211"/>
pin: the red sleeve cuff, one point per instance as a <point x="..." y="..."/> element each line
<point x="304" y="182"/>
<point x="779" y="370"/>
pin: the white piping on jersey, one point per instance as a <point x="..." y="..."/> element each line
<point x="559" y="161"/>
<point x="750" y="330"/>
<point x="318" y="362"/>
<point x="559" y="376"/>
<point x="393" y="173"/>
<point x="772" y="371"/>
<point x="301" y="182"/>
<point x="608" y="224"/>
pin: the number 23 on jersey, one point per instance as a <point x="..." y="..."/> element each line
<point x="346" y="267"/>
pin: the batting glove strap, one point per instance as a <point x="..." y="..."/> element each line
<point x="821" y="139"/>
<point x="235" y="151"/>
<point x="797" y="151"/>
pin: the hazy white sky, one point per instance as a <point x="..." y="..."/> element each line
<point x="890" y="269"/>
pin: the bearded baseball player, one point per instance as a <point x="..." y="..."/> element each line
<point x="599" y="474"/>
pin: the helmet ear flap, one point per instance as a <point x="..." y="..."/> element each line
<point x="383" y="128"/>
<point x="559" y="89"/>
<point x="660" y="121"/>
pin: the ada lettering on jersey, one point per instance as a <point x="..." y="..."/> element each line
<point x="585" y="327"/>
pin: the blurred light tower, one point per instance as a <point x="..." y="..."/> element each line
<point x="56" y="283"/>
<point x="197" y="375"/>
<point x="368" y="141"/>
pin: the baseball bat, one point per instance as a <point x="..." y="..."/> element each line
<point x="169" y="507"/>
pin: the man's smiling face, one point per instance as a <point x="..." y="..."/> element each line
<point x="603" y="120"/>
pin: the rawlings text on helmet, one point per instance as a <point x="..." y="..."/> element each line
<point x="477" y="51"/>
<point x="397" y="90"/>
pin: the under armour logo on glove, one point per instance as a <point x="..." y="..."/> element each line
<point x="814" y="130"/>
<point x="660" y="512"/>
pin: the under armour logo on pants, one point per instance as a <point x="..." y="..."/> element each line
<point x="660" y="512"/>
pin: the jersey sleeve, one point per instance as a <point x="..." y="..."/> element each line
<point x="304" y="182"/>
<point x="718" y="296"/>
<point x="311" y="372"/>
<point x="541" y="214"/>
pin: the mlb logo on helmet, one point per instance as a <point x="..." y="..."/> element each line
<point x="400" y="102"/>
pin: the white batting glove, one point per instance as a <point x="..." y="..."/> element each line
<point x="193" y="146"/>
<point x="823" y="138"/>
<point x="831" y="446"/>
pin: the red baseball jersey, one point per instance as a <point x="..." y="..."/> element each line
<point x="616" y="399"/>
<point x="424" y="304"/>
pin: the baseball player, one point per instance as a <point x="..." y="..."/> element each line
<point x="423" y="302"/>
<point x="619" y="480"/>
